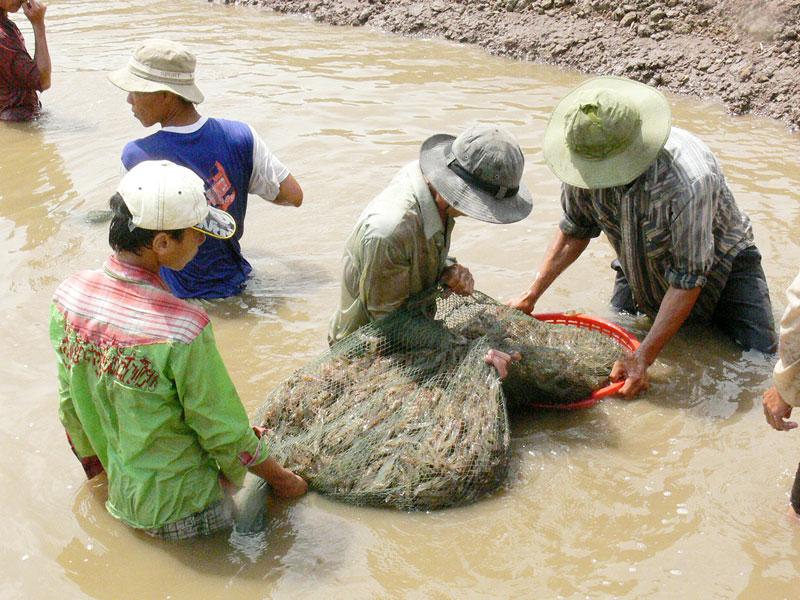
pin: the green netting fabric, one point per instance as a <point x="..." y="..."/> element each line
<point x="405" y="413"/>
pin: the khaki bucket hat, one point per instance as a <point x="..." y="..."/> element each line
<point x="160" y="66"/>
<point x="478" y="173"/>
<point x="606" y="132"/>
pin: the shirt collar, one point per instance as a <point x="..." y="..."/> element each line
<point x="187" y="128"/>
<point x="431" y="221"/>
<point x="117" y="269"/>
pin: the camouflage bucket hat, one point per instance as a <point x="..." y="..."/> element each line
<point x="479" y="173"/>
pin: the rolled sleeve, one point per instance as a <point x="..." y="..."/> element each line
<point x="212" y="408"/>
<point x="787" y="370"/>
<point x="577" y="220"/>
<point x="685" y="281"/>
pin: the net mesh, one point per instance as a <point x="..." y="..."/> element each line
<point x="405" y="412"/>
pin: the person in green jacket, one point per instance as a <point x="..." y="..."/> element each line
<point x="144" y="394"/>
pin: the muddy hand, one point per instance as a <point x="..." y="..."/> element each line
<point x="34" y="10"/>
<point x="633" y="369"/>
<point x="459" y="279"/>
<point x="500" y="361"/>
<point x="777" y="410"/>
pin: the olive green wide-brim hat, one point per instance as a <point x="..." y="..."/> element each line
<point x="160" y="66"/>
<point x="606" y="132"/>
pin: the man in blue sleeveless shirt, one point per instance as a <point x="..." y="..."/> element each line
<point x="228" y="155"/>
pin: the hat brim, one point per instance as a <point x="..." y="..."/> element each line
<point x="623" y="167"/>
<point x="471" y="201"/>
<point x="127" y="81"/>
<point x="217" y="224"/>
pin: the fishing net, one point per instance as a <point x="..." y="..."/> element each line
<point x="405" y="413"/>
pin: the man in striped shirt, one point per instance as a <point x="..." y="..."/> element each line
<point x="144" y="394"/>
<point x="684" y="249"/>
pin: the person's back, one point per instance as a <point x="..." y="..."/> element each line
<point x="131" y="348"/>
<point x="22" y="76"/>
<point x="228" y="155"/>
<point x="143" y="390"/>
<point x="219" y="270"/>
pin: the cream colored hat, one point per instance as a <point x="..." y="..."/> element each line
<point x="160" y="66"/>
<point x="163" y="196"/>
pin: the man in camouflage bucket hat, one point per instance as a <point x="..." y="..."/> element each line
<point x="400" y="245"/>
<point x="684" y="249"/>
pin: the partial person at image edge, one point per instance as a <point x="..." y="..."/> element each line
<point x="144" y="394"/>
<point x="228" y="155"/>
<point x="784" y="395"/>
<point x="21" y="76"/>
<point x="684" y="249"/>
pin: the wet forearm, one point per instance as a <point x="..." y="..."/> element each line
<point x="675" y="308"/>
<point x="562" y="253"/>
<point x="42" y="55"/>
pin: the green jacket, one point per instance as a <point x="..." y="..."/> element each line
<point x="398" y="248"/>
<point x="143" y="387"/>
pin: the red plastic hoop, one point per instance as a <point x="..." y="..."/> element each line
<point x="620" y="335"/>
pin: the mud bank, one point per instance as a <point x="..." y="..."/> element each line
<point x="746" y="54"/>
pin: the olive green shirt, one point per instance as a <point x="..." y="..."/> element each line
<point x="398" y="248"/>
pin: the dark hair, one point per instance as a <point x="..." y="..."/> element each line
<point x="120" y="235"/>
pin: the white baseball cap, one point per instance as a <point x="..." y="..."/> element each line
<point x="164" y="196"/>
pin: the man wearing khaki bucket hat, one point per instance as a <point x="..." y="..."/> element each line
<point x="400" y="245"/>
<point x="684" y="249"/>
<point x="229" y="156"/>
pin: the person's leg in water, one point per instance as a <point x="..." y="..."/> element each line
<point x="794" y="499"/>
<point x="744" y="310"/>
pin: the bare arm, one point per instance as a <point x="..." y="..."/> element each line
<point x="290" y="194"/>
<point x="674" y="310"/>
<point x="562" y="253"/>
<point x="34" y="10"/>
<point x="285" y="483"/>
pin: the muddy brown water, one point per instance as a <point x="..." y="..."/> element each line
<point x="680" y="494"/>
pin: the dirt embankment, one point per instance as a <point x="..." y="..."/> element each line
<point x="746" y="53"/>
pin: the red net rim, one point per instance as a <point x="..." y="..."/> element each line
<point x="623" y="337"/>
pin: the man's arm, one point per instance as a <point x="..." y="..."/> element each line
<point x="564" y="250"/>
<point x="674" y="310"/>
<point x="290" y="193"/>
<point x="784" y="395"/>
<point x="270" y="178"/>
<point x="34" y="10"/>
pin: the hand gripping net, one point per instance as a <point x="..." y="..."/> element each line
<point x="405" y="413"/>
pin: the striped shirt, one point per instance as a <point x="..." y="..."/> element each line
<point x="675" y="225"/>
<point x="142" y="387"/>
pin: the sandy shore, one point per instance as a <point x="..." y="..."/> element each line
<point x="745" y="54"/>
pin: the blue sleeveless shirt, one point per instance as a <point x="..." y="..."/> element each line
<point x="221" y="153"/>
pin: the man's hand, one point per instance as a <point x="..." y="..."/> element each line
<point x="525" y="303"/>
<point x="500" y="361"/>
<point x="633" y="369"/>
<point x="459" y="279"/>
<point x="34" y="10"/>
<point x="777" y="411"/>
